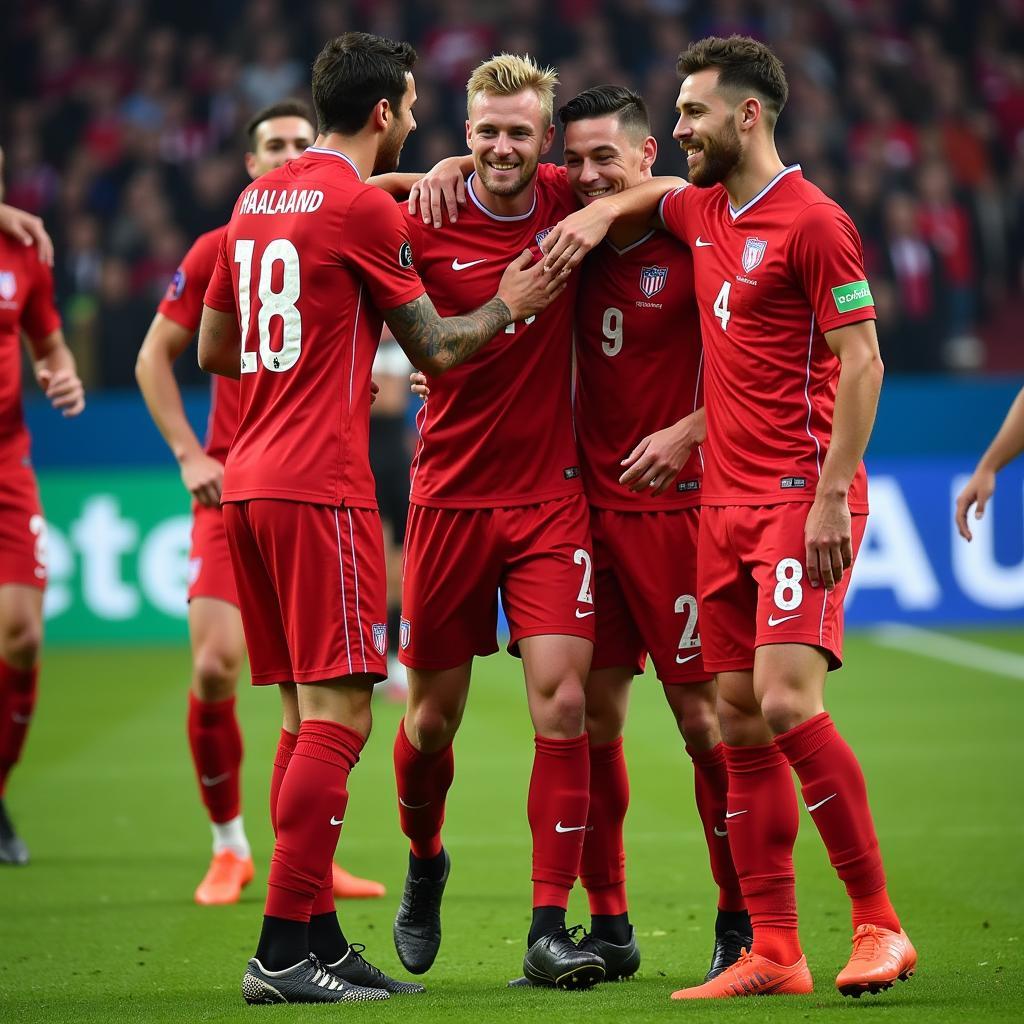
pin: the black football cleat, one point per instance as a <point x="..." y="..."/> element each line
<point x="619" y="961"/>
<point x="728" y="947"/>
<point x="555" y="960"/>
<point x="12" y="848"/>
<point x="356" y="970"/>
<point x="417" y="928"/>
<point x="307" y="982"/>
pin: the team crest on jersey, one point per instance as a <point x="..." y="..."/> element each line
<point x="405" y="256"/>
<point x="380" y="638"/>
<point x="652" y="280"/>
<point x="177" y="285"/>
<point x="541" y="235"/>
<point x="8" y="285"/>
<point x="404" y="632"/>
<point x="753" y="253"/>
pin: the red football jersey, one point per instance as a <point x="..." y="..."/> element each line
<point x="183" y="303"/>
<point x="638" y="365"/>
<point x="772" y="278"/>
<point x="26" y="304"/>
<point x="309" y="259"/>
<point x="497" y="431"/>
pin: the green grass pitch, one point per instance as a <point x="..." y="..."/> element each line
<point x="101" y="926"/>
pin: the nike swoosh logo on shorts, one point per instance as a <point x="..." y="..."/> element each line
<point x="336" y="821"/>
<point x="216" y="780"/>
<point x="683" y="661"/>
<point x="413" y="807"/>
<point x="820" y="803"/>
<point x="721" y="834"/>
<point x="559" y="827"/>
<point x="733" y="814"/>
<point x="582" y="615"/>
<point x="772" y="621"/>
<point x="700" y="243"/>
<point x="456" y="265"/>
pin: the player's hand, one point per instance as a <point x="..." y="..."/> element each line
<point x="527" y="289"/>
<point x="976" y="492"/>
<point x="654" y="464"/>
<point x="828" y="536"/>
<point x="27" y="229"/>
<point x="374" y="390"/>
<point x="441" y="188"/>
<point x="64" y="390"/>
<point x="572" y="238"/>
<point x="203" y="477"/>
<point x="418" y="384"/>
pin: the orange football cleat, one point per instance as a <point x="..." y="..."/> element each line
<point x="880" y="957"/>
<point x="754" y="975"/>
<point x="225" y="879"/>
<point x="349" y="887"/>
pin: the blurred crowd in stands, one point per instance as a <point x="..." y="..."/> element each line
<point x="121" y="121"/>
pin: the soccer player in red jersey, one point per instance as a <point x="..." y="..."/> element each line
<point x="497" y="504"/>
<point x="26" y="309"/>
<point x="278" y="133"/>
<point x="792" y="381"/>
<point x="312" y="262"/>
<point x="639" y="421"/>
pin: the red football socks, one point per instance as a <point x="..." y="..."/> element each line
<point x="423" y="781"/>
<point x="836" y="797"/>
<point x="557" y="809"/>
<point x="216" y="742"/>
<point x="711" y="785"/>
<point x="17" y="702"/>
<point x="310" y="809"/>
<point x="762" y="821"/>
<point x="285" y="749"/>
<point x="603" y="864"/>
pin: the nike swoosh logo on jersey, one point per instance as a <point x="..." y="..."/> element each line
<point x="413" y="807"/>
<point x="820" y="803"/>
<point x="336" y="821"/>
<point x="582" y="615"/>
<point x="733" y="814"/>
<point x="772" y="621"/>
<point x="700" y="243"/>
<point x="690" y="657"/>
<point x="456" y="265"/>
<point x="216" y="780"/>
<point x="721" y="833"/>
<point x="559" y="827"/>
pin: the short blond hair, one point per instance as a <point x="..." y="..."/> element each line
<point x="507" y="74"/>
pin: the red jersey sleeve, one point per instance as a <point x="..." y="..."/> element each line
<point x="827" y="260"/>
<point x="183" y="300"/>
<point x="39" y="317"/>
<point x="379" y="250"/>
<point x="672" y="211"/>
<point x="220" y="294"/>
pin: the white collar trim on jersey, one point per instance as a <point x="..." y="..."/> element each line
<point x="334" y="152"/>
<point x="632" y="245"/>
<point x="494" y="216"/>
<point x="760" y="195"/>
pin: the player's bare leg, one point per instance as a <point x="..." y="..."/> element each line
<point x="424" y="769"/>
<point x="21" y="637"/>
<point x="693" y="706"/>
<point x="789" y="683"/>
<point x="218" y="651"/>
<point x="555" y="669"/>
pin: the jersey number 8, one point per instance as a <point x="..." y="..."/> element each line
<point x="272" y="303"/>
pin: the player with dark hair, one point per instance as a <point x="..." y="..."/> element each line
<point x="27" y="310"/>
<point x="311" y="263"/>
<point x="792" y="381"/>
<point x="275" y="134"/>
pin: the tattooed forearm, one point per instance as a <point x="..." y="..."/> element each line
<point x="434" y="343"/>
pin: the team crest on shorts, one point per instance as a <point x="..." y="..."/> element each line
<point x="753" y="253"/>
<point x="380" y="638"/>
<point x="404" y="631"/>
<point x="652" y="280"/>
<point x="8" y="285"/>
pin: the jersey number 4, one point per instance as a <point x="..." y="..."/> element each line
<point x="272" y="303"/>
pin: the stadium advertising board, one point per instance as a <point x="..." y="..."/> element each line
<point x="118" y="547"/>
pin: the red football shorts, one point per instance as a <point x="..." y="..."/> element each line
<point x="456" y="561"/>
<point x="209" y="563"/>
<point x="753" y="585"/>
<point x="22" y="529"/>
<point x="645" y="585"/>
<point x="311" y="589"/>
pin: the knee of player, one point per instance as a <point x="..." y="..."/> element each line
<point x="432" y="726"/>
<point x="698" y="723"/>
<point x="602" y="726"/>
<point x="785" y="708"/>
<point x="22" y="638"/>
<point x="565" y="711"/>
<point x="216" y="672"/>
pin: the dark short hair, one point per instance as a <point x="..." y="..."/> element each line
<point x="743" y="64"/>
<point x="286" y="108"/>
<point x="602" y="100"/>
<point x="352" y="74"/>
